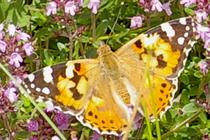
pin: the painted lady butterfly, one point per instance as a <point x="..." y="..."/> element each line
<point x="100" y="92"/>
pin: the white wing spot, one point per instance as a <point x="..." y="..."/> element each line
<point x="28" y="91"/>
<point x="38" y="89"/>
<point x="49" y="105"/>
<point x="186" y="34"/>
<point x="166" y="27"/>
<point x="47" y="74"/>
<point x="194" y="29"/>
<point x="32" y="86"/>
<point x="40" y="99"/>
<point x="183" y="21"/>
<point x="46" y="90"/>
<point x="31" y="77"/>
<point x="69" y="71"/>
<point x="187" y="28"/>
<point x="26" y="86"/>
<point x="180" y="40"/>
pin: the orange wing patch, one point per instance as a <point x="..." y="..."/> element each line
<point x="73" y="89"/>
<point x="160" y="55"/>
<point x="137" y="47"/>
<point x="159" y="95"/>
<point x="164" y="58"/>
<point x="104" y="121"/>
<point x="71" y="93"/>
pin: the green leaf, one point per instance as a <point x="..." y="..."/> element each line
<point x="208" y="124"/>
<point x="48" y="59"/>
<point x="26" y="101"/>
<point x="101" y="28"/>
<point x="184" y="78"/>
<point x="4" y="5"/>
<point x="84" y="18"/>
<point x="38" y="18"/>
<point x="203" y="117"/>
<point x="22" y="135"/>
<point x="189" y="11"/>
<point x="190" y="108"/>
<point x="76" y="53"/>
<point x="198" y="74"/>
<point x="184" y="96"/>
<point x="61" y="46"/>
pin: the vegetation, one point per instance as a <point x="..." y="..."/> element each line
<point x="39" y="33"/>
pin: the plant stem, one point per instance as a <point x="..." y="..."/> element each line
<point x="70" y="45"/>
<point x="176" y="128"/>
<point x="151" y="91"/>
<point x="140" y="130"/>
<point x="125" y="136"/>
<point x="23" y="91"/>
<point x="93" y="19"/>
<point x="6" y="125"/>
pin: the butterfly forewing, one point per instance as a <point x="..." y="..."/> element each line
<point x="65" y="84"/>
<point x="162" y="52"/>
<point x="180" y="35"/>
<point x="101" y="92"/>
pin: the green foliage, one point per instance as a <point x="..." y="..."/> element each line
<point x="58" y="41"/>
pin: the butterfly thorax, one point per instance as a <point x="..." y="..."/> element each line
<point x="109" y="64"/>
<point x="111" y="72"/>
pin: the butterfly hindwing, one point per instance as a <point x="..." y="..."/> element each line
<point x="103" y="112"/>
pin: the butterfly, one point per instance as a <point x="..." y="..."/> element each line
<point x="102" y="92"/>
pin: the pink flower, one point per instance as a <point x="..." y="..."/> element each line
<point x="146" y="4"/>
<point x="11" y="29"/>
<point x="136" y="22"/>
<point x="156" y="5"/>
<point x="33" y="125"/>
<point x="95" y="136"/>
<point x="187" y="3"/>
<point x="1" y="27"/>
<point x="201" y="15"/>
<point x="166" y="7"/>
<point x="202" y="4"/>
<point x="62" y="120"/>
<point x="15" y="59"/>
<point x="94" y="5"/>
<point x="28" y="48"/>
<point x="70" y="8"/>
<point x="203" y="67"/>
<point x="3" y="46"/>
<point x="10" y="93"/>
<point x="55" y="138"/>
<point x="51" y="8"/>
<point x="23" y="36"/>
<point x="207" y="45"/>
<point x="203" y="32"/>
<point x="1" y="31"/>
<point x="80" y="2"/>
